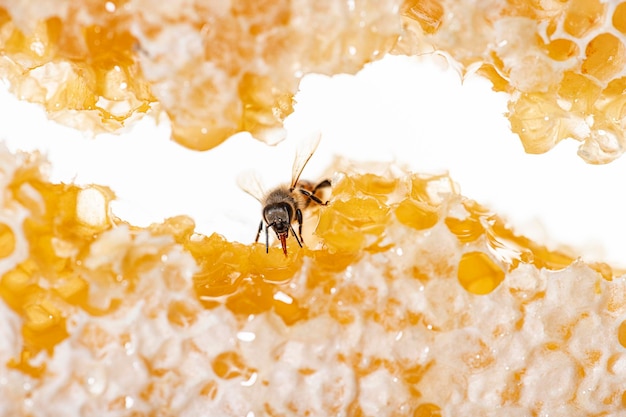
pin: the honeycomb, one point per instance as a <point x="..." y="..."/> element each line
<point x="218" y="68"/>
<point x="215" y="68"/>
<point x="418" y="301"/>
<point x="562" y="62"/>
<point x="415" y="301"/>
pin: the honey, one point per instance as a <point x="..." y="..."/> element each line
<point x="619" y="18"/>
<point x="605" y="57"/>
<point x="414" y="300"/>
<point x="391" y="260"/>
<point x="466" y="230"/>
<point x="562" y="49"/>
<point x="478" y="274"/>
<point x="7" y="240"/>
<point x="583" y="16"/>
<point x="238" y="67"/>
<point x="228" y="365"/>
<point x="427" y="410"/>
<point x="621" y="334"/>
<point x="416" y="215"/>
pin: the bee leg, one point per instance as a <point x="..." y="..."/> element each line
<point x="323" y="184"/>
<point x="258" y="232"/>
<point x="313" y="197"/>
<point x="299" y="218"/>
<point x="267" y="239"/>
<point x="296" y="236"/>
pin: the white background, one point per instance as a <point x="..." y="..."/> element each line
<point x="412" y="110"/>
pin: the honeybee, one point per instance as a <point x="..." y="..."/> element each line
<point x="284" y="204"/>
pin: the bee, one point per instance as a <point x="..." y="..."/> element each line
<point x="284" y="204"/>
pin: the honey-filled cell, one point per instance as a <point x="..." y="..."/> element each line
<point x="478" y="274"/>
<point x="7" y="240"/>
<point x="605" y="57"/>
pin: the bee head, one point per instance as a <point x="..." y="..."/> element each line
<point x="279" y="216"/>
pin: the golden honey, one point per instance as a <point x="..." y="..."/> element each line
<point x="401" y="308"/>
<point x="478" y="274"/>
<point x="244" y="62"/>
<point x="390" y="259"/>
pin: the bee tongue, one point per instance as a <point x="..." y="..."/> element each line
<point x="283" y="243"/>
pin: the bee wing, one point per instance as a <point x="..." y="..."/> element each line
<point x="250" y="182"/>
<point x="304" y="152"/>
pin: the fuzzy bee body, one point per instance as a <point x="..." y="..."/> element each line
<point x="284" y="205"/>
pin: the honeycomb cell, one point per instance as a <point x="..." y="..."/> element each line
<point x="606" y="56"/>
<point x="619" y="17"/>
<point x="274" y="267"/>
<point x="562" y="49"/>
<point x="499" y="83"/>
<point x="414" y="374"/>
<point x="108" y="48"/>
<point x="427" y="410"/>
<point x="222" y="266"/>
<point x="428" y="13"/>
<point x="376" y="185"/>
<point x="7" y="240"/>
<point x="332" y="262"/>
<point x="39" y="318"/>
<point x="366" y="184"/>
<point x="229" y="365"/>
<point x="583" y="16"/>
<point x="416" y="214"/>
<point x="361" y="211"/>
<point x="339" y="235"/>
<point x="616" y="89"/>
<point x="73" y="289"/>
<point x="343" y="315"/>
<point x="466" y="230"/>
<point x="352" y="224"/>
<point x="611" y="122"/>
<point x="479" y="357"/>
<point x="44" y="329"/>
<point x="432" y="189"/>
<point x="17" y="281"/>
<point x="252" y="297"/>
<point x="621" y="333"/>
<point x="478" y="274"/>
<point x="536" y="118"/>
<point x="502" y="239"/>
<point x="181" y="313"/>
<point x="210" y="390"/>
<point x="288" y="308"/>
<point x="579" y="91"/>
